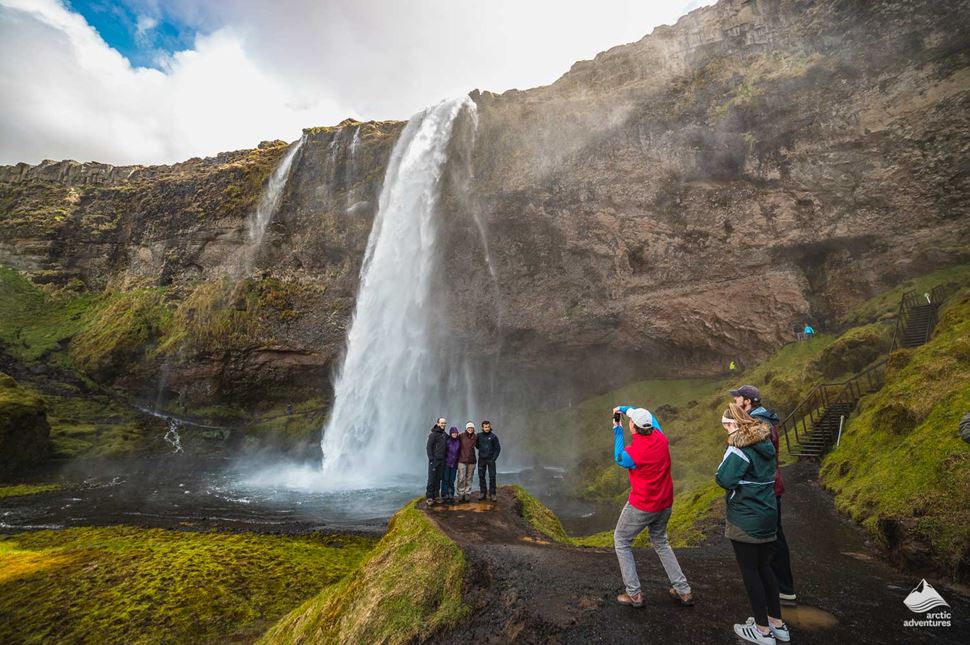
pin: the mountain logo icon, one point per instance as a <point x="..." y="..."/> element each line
<point x="924" y="598"/>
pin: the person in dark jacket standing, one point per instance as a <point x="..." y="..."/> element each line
<point x="747" y="474"/>
<point x="749" y="398"/>
<point x="466" y="462"/>
<point x="451" y="466"/>
<point x="488" y="451"/>
<point x="437" y="451"/>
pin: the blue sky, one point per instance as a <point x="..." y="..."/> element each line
<point x="139" y="37"/>
<point x="159" y="81"/>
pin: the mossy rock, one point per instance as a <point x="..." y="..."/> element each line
<point x="854" y="350"/>
<point x="23" y="426"/>
<point x="407" y="590"/>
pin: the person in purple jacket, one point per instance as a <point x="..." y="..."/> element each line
<point x="451" y="466"/>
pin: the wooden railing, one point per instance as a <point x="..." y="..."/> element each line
<point x="813" y="407"/>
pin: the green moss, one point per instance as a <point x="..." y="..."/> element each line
<point x="901" y="461"/>
<point x="409" y="589"/>
<point x="34" y="322"/>
<point x="854" y="350"/>
<point x="131" y="585"/>
<point x="118" y="332"/>
<point x="90" y="425"/>
<point x="20" y="490"/>
<point x="228" y="315"/>
<point x="689" y="517"/>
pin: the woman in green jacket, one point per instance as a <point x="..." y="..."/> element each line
<point x="747" y="473"/>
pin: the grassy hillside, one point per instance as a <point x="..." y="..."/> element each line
<point x="130" y="585"/>
<point x="901" y="468"/>
<point x="410" y="587"/>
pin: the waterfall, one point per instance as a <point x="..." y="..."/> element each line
<point x="269" y="203"/>
<point x="398" y="374"/>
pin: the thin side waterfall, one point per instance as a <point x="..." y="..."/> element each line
<point x="269" y="203"/>
<point x="399" y="373"/>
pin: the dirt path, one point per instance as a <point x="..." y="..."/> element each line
<point x="526" y="589"/>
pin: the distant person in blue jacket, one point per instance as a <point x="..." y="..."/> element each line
<point x="808" y="331"/>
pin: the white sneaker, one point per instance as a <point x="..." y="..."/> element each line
<point x="780" y="633"/>
<point x="752" y="634"/>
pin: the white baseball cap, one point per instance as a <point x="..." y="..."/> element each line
<point x="641" y="417"/>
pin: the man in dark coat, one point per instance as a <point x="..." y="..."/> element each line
<point x="437" y="450"/>
<point x="488" y="451"/>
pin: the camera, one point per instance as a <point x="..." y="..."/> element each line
<point x="616" y="417"/>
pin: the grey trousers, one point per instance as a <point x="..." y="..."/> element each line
<point x="466" y="475"/>
<point x="632" y="521"/>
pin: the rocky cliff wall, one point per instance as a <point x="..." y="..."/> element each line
<point x="678" y="202"/>
<point x="695" y="195"/>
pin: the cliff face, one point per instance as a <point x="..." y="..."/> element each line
<point x="693" y="196"/>
<point x="680" y="202"/>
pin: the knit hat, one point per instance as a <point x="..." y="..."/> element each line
<point x="453" y="430"/>
<point x="469" y="425"/>
<point x="641" y="417"/>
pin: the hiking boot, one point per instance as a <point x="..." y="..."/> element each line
<point x="752" y="634"/>
<point x="686" y="599"/>
<point x="482" y="497"/>
<point x="630" y="601"/>
<point x="439" y="500"/>
<point x="780" y="633"/>
<point x="430" y="502"/>
<point x="494" y="498"/>
<point x="788" y="599"/>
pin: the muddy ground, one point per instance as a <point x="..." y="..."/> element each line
<point x="524" y="589"/>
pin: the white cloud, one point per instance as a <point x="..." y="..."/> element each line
<point x="266" y="69"/>
<point x="75" y="97"/>
<point x="144" y="24"/>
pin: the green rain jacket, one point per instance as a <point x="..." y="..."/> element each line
<point x="747" y="473"/>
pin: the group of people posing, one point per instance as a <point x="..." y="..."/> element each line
<point x="750" y="476"/>
<point x="452" y="457"/>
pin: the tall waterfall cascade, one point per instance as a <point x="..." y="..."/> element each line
<point x="399" y="373"/>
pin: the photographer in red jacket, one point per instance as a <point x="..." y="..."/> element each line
<point x="647" y="460"/>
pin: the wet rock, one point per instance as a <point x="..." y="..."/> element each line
<point x="965" y="427"/>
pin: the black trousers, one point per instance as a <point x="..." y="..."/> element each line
<point x="781" y="561"/>
<point x="436" y="471"/>
<point x="489" y="466"/>
<point x="759" y="581"/>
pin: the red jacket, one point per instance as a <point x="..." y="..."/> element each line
<point x="651" y="486"/>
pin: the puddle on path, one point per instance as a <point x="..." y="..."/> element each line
<point x="808" y="618"/>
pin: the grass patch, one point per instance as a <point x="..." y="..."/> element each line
<point x="117" y="334"/>
<point x="689" y="515"/>
<point x="20" y="490"/>
<point x="902" y="469"/>
<point x="34" y="322"/>
<point x="886" y="304"/>
<point x="409" y="588"/>
<point x="130" y="585"/>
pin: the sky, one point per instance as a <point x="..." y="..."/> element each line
<point x="159" y="81"/>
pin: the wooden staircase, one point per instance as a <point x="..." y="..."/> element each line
<point x="814" y="426"/>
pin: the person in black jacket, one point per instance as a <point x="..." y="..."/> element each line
<point x="488" y="450"/>
<point x="437" y="450"/>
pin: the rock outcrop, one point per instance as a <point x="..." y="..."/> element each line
<point x="673" y="204"/>
<point x="23" y="427"/>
